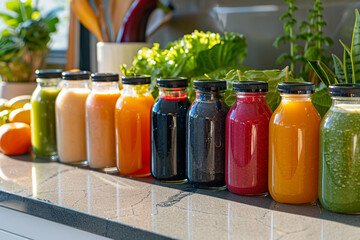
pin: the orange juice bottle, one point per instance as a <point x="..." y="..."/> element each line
<point x="99" y="110"/>
<point x="294" y="145"/>
<point x="132" y="127"/>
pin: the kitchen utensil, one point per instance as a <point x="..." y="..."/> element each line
<point x="134" y="25"/>
<point x="87" y="17"/>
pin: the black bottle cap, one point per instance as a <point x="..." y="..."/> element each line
<point x="105" y="77"/>
<point x="209" y="85"/>
<point x="136" y="80"/>
<point x="172" y="82"/>
<point x="78" y="75"/>
<point x="48" y="73"/>
<point x="296" y="87"/>
<point x="345" y="90"/>
<point x="250" y="86"/>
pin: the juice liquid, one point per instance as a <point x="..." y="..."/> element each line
<point x="43" y="130"/>
<point x="70" y="124"/>
<point x="247" y="135"/>
<point x="206" y="141"/>
<point x="132" y="127"/>
<point x="100" y="108"/>
<point x="168" y="138"/>
<point x="339" y="178"/>
<point x="294" y="150"/>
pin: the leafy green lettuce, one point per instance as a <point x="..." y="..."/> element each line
<point x="193" y="55"/>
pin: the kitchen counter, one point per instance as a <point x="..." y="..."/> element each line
<point x="125" y="208"/>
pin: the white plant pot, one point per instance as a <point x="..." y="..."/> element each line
<point x="9" y="90"/>
<point x="110" y="56"/>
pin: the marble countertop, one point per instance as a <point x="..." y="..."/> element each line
<point x="126" y="208"/>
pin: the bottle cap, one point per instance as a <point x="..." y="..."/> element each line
<point x="345" y="90"/>
<point x="48" y="73"/>
<point x="250" y="86"/>
<point x="296" y="87"/>
<point x="105" y="77"/>
<point x="136" y="80"/>
<point x="172" y="82"/>
<point x="209" y="85"/>
<point x="78" y="75"/>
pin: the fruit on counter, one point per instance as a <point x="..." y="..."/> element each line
<point x="27" y="106"/>
<point x="20" y="115"/>
<point x="15" y="138"/>
<point x="18" y="102"/>
<point x="4" y="116"/>
<point x="3" y="103"/>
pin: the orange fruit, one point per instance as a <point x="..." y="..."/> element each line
<point x="20" y="115"/>
<point x="15" y="138"/>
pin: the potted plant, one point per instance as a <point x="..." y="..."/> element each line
<point x="24" y="44"/>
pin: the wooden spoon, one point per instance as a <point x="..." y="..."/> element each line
<point x="87" y="17"/>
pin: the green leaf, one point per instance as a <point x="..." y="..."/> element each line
<point x="355" y="49"/>
<point x="314" y="65"/>
<point x="313" y="53"/>
<point x="272" y="77"/>
<point x="280" y="39"/>
<point x="283" y="57"/>
<point x="347" y="66"/>
<point x="330" y="75"/>
<point x="322" y="101"/>
<point x="15" y="6"/>
<point x="339" y="69"/>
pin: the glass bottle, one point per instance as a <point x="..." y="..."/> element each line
<point x="70" y="117"/>
<point x="294" y="145"/>
<point x="168" y="130"/>
<point x="339" y="178"/>
<point x="247" y="135"/>
<point x="100" y="125"/>
<point x="132" y="127"/>
<point x="205" y="138"/>
<point x="43" y="130"/>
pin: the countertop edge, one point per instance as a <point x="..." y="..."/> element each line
<point x="70" y="217"/>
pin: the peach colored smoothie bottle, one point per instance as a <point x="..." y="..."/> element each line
<point x="132" y="124"/>
<point x="100" y="129"/>
<point x="294" y="145"/>
<point x="70" y="117"/>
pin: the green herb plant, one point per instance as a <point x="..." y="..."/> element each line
<point x="346" y="71"/>
<point x="308" y="44"/>
<point x="24" y="42"/>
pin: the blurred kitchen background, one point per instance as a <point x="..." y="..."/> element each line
<point x="258" y="20"/>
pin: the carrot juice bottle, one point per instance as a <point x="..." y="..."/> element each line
<point x="294" y="145"/>
<point x="100" y="107"/>
<point x="132" y="127"/>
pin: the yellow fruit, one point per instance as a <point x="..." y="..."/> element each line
<point x="27" y="106"/>
<point x="20" y="115"/>
<point x="18" y="102"/>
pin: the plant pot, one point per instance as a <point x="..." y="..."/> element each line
<point x="110" y="56"/>
<point x="9" y="90"/>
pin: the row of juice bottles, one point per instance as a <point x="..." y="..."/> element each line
<point x="290" y="153"/>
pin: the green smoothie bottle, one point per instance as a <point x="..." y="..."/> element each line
<point x="43" y="129"/>
<point x="339" y="168"/>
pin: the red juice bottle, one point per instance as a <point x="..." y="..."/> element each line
<point x="247" y="136"/>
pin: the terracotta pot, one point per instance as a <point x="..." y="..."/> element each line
<point x="9" y="90"/>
